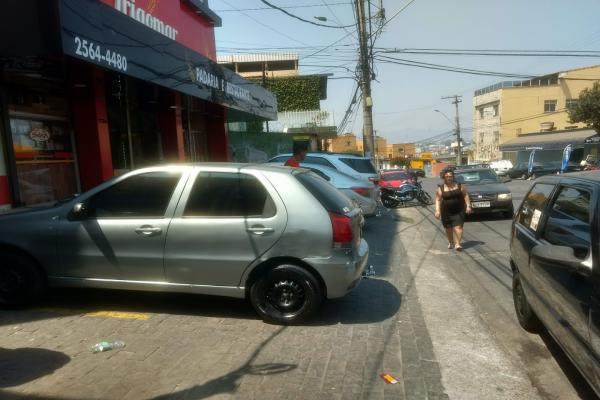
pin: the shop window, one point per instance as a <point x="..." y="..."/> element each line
<point x="549" y="106"/>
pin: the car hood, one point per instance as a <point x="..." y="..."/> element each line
<point x="487" y="188"/>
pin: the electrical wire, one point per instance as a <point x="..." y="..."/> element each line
<point x="302" y="19"/>
<point x="286" y="7"/>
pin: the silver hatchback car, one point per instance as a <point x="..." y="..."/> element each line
<point x="282" y="237"/>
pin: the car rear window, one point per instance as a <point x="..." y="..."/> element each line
<point x="396" y="176"/>
<point x="362" y="165"/>
<point x="332" y="199"/>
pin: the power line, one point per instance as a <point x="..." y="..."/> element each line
<point x="412" y="63"/>
<point x="286" y="7"/>
<point x="265" y="25"/>
<point x="302" y="19"/>
<point x="496" y="53"/>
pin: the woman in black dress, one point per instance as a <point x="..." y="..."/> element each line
<point x="451" y="203"/>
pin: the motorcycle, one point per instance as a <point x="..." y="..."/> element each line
<point x="392" y="197"/>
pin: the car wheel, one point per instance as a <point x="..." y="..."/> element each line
<point x="527" y="318"/>
<point x="286" y="294"/>
<point x="21" y="281"/>
<point x="533" y="176"/>
<point x="523" y="176"/>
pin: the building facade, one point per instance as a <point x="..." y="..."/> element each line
<point x="508" y="110"/>
<point x="94" y="88"/>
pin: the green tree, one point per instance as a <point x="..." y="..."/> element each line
<point x="587" y="109"/>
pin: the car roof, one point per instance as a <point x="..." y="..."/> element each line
<point x="589" y="176"/>
<point x="459" y="170"/>
<point x="323" y="154"/>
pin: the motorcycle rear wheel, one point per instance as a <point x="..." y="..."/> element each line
<point x="389" y="203"/>
<point x="425" y="198"/>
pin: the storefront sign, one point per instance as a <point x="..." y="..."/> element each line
<point x="41" y="134"/>
<point x="145" y="17"/>
<point x="96" y="33"/>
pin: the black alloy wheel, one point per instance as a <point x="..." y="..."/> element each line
<point x="286" y="294"/>
<point x="526" y="316"/>
<point x="21" y="281"/>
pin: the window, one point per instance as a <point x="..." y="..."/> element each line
<point x="332" y="199"/>
<point x="141" y="196"/>
<point x="496" y="107"/>
<point x="226" y="194"/>
<point x="531" y="210"/>
<point x="481" y="113"/>
<point x="318" y="160"/>
<point x="549" y="106"/>
<point x="362" y="165"/>
<point x="569" y="221"/>
<point x="281" y="159"/>
<point x="570" y="104"/>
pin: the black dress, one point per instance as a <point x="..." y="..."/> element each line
<point x="453" y="207"/>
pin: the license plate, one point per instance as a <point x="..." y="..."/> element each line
<point x="480" y="204"/>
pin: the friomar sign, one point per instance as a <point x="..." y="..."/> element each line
<point x="129" y="8"/>
<point x="129" y="47"/>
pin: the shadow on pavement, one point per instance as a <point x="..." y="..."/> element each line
<point x="472" y="243"/>
<point x="19" y="366"/>
<point x="230" y="382"/>
<point x="374" y="300"/>
<point x="64" y="302"/>
<point x="570" y="370"/>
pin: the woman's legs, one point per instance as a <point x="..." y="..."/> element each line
<point x="458" y="232"/>
<point x="450" y="237"/>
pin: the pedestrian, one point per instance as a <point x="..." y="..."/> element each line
<point x="451" y="203"/>
<point x="299" y="155"/>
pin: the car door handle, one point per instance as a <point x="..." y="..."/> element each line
<point x="147" y="230"/>
<point x="259" y="230"/>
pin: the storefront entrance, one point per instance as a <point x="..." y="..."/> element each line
<point x="41" y="138"/>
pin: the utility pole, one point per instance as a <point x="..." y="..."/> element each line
<point x="365" y="81"/>
<point x="457" y="99"/>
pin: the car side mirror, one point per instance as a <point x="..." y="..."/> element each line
<point x="78" y="212"/>
<point x="561" y="257"/>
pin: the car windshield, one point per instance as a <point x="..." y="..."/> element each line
<point x="396" y="176"/>
<point x="477" y="177"/>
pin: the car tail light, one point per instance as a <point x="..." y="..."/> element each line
<point x="363" y="191"/>
<point x="342" y="229"/>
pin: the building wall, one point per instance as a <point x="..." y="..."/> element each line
<point x="521" y="110"/>
<point x="403" y="150"/>
<point x="381" y="148"/>
<point x="346" y="143"/>
<point x="486" y="125"/>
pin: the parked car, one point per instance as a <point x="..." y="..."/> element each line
<point x="501" y="167"/>
<point x="358" y="167"/>
<point x="360" y="191"/>
<point x="540" y="169"/>
<point x="417" y="171"/>
<point x="554" y="246"/>
<point x="394" y="178"/>
<point x="474" y="166"/>
<point x="283" y="238"/>
<point x="487" y="193"/>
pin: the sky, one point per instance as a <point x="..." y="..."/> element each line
<point x="405" y="97"/>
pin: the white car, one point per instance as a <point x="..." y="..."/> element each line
<point x="501" y="167"/>
<point x="355" y="166"/>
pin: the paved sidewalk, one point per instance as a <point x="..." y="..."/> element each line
<point x="412" y="321"/>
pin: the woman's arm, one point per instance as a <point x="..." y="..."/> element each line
<point x="467" y="199"/>
<point x="438" y="202"/>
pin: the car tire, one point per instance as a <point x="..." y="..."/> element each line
<point x="21" y="281"/>
<point x="533" y="176"/>
<point x="525" y="314"/>
<point x="286" y="294"/>
<point x="523" y="176"/>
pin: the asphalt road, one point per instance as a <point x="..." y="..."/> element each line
<point x="483" y="274"/>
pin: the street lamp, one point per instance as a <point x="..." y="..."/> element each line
<point x="445" y="116"/>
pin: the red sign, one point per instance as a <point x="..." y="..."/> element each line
<point x="173" y="19"/>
